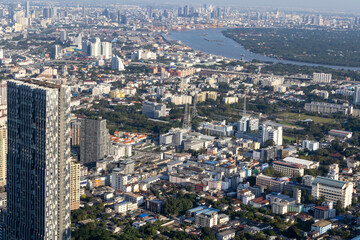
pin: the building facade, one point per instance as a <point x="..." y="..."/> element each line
<point x="74" y="185"/>
<point x="94" y="140"/>
<point x="38" y="183"/>
<point x="333" y="190"/>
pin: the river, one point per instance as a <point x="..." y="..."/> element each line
<point x="214" y="42"/>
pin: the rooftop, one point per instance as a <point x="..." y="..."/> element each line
<point x="329" y="182"/>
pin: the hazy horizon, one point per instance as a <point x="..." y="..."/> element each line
<point x="318" y="5"/>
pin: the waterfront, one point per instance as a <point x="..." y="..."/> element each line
<point x="214" y="42"/>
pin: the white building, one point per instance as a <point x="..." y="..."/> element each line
<point x="206" y="219"/>
<point x="306" y="163"/>
<point x="333" y="190"/>
<point x="117" y="64"/>
<point x="322" y="78"/>
<point x="125" y="207"/>
<point x="311" y="145"/>
<point x="272" y="132"/>
<point x="106" y="50"/>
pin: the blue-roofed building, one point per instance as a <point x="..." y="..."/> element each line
<point x="190" y="212"/>
<point x="144" y="215"/>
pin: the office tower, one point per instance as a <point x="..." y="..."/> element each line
<point x="94" y="140"/>
<point x="55" y="52"/>
<point x="3" y="152"/>
<point x="27" y="9"/>
<point x="106" y="50"/>
<point x="186" y="11"/>
<point x="357" y="95"/>
<point x="83" y="11"/>
<point x="74" y="185"/>
<point x="272" y="132"/>
<point x="117" y="64"/>
<point x="38" y="169"/>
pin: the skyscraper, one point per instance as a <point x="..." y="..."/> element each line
<point x="106" y="50"/>
<point x="27" y="9"/>
<point x="56" y="52"/>
<point x="357" y="95"/>
<point x="94" y="140"/>
<point x="38" y="183"/>
<point x="3" y="152"/>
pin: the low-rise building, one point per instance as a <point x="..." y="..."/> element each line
<point x="289" y="169"/>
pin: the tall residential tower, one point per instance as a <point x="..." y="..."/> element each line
<point x="38" y="182"/>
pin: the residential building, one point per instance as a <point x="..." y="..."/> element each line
<point x="226" y="235"/>
<point x="3" y="152"/>
<point x="275" y="184"/>
<point x="75" y="133"/>
<point x="280" y="207"/>
<point x="325" y="211"/>
<point x="310" y="145"/>
<point x="357" y="95"/>
<point x="322" y="78"/>
<point x="117" y="64"/>
<point x="217" y="129"/>
<point x="74" y="185"/>
<point x="274" y="132"/>
<point x="328" y="108"/>
<point x="94" y="140"/>
<point x="321" y="226"/>
<point x="333" y="190"/>
<point x="289" y="169"/>
<point x="38" y="182"/>
<point x="206" y="219"/>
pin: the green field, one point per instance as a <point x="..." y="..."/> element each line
<point x="295" y="116"/>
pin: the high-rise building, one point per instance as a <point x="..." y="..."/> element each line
<point x="357" y="95"/>
<point x="55" y="52"/>
<point x="106" y="50"/>
<point x="38" y="169"/>
<point x="94" y="140"/>
<point x="117" y="64"/>
<point x="27" y="9"/>
<point x="322" y="78"/>
<point x="95" y="47"/>
<point x="75" y="133"/>
<point x="3" y="152"/>
<point x="272" y="132"/>
<point x="63" y="35"/>
<point x="3" y="93"/>
<point x="74" y="185"/>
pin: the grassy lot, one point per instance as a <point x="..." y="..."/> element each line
<point x="290" y="139"/>
<point x="295" y="116"/>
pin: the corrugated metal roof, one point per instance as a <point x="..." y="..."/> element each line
<point x="329" y="182"/>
